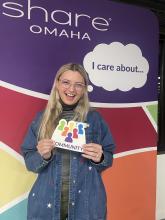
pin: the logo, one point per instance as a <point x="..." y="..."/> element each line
<point x="70" y="136"/>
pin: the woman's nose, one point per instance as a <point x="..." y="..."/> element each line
<point x="72" y="87"/>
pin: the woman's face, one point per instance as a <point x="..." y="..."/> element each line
<point x="71" y="87"/>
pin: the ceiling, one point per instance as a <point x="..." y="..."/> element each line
<point x="157" y="6"/>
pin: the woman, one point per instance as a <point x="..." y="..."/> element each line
<point x="69" y="184"/>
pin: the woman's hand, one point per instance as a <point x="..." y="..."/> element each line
<point x="45" y="147"/>
<point x="93" y="152"/>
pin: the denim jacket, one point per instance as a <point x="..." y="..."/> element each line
<point x="87" y="197"/>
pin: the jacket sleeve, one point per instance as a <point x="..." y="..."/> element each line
<point x="33" y="160"/>
<point x="105" y="139"/>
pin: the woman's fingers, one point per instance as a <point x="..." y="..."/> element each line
<point x="93" y="152"/>
<point x="45" y="146"/>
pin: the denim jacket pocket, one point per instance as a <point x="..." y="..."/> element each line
<point x="41" y="199"/>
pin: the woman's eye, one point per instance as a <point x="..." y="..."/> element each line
<point x="66" y="82"/>
<point x="78" y="85"/>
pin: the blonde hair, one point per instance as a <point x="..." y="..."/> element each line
<point x="53" y="109"/>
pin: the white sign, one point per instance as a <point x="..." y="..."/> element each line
<point x="70" y="136"/>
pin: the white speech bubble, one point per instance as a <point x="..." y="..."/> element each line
<point x="116" y="66"/>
